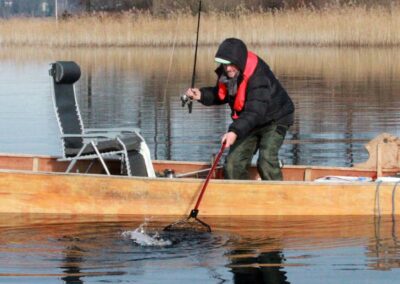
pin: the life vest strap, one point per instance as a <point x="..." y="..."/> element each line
<point x="251" y="64"/>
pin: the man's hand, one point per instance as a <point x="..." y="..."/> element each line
<point x="193" y="93"/>
<point x="229" y="138"/>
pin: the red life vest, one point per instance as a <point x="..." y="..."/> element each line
<point x="251" y="64"/>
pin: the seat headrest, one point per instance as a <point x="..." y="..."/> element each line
<point x="65" y="72"/>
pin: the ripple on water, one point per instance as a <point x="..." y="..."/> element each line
<point x="121" y="249"/>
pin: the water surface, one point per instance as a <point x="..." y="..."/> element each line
<point x="73" y="249"/>
<point x="343" y="96"/>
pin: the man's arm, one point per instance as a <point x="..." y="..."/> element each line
<point x="207" y="96"/>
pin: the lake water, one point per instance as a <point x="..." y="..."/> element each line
<point x="343" y="97"/>
<point x="72" y="249"/>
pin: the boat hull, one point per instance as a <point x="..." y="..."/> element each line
<point x="60" y="193"/>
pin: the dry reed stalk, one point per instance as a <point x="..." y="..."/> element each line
<point x="346" y="26"/>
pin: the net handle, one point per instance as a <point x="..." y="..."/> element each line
<point x="203" y="189"/>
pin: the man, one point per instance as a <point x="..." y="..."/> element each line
<point x="262" y="111"/>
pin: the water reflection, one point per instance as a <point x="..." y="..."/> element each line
<point x="297" y="249"/>
<point x="384" y="249"/>
<point x="251" y="267"/>
<point x="73" y="258"/>
<point x="343" y="98"/>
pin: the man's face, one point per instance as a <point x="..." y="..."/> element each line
<point x="231" y="70"/>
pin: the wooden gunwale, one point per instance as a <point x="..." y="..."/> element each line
<point x="43" y="163"/>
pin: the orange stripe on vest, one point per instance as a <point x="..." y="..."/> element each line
<point x="251" y="64"/>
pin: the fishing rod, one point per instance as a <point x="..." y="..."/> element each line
<point x="184" y="98"/>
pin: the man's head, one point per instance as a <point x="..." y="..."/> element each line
<point x="231" y="70"/>
<point x="232" y="54"/>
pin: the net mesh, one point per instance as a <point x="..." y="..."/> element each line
<point x="189" y="224"/>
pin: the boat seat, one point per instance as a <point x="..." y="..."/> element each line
<point x="125" y="145"/>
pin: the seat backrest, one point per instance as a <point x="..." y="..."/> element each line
<point x="65" y="74"/>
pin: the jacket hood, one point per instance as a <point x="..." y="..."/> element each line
<point x="233" y="50"/>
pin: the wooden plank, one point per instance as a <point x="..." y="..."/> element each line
<point x="94" y="194"/>
<point x="307" y="174"/>
<point x="35" y="164"/>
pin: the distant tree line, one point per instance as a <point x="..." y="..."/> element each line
<point x="46" y="8"/>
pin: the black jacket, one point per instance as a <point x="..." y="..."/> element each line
<point x="266" y="99"/>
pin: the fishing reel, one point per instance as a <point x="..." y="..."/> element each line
<point x="187" y="101"/>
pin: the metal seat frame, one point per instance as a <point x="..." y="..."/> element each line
<point x="66" y="73"/>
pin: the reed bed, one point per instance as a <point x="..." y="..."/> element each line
<point x="335" y="26"/>
<point x="332" y="64"/>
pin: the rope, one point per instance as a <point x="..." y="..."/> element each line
<point x="377" y="218"/>
<point x="394" y="236"/>
<point x="377" y="209"/>
<point x="393" y="199"/>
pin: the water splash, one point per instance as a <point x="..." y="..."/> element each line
<point x="143" y="238"/>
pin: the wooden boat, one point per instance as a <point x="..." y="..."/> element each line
<point x="37" y="184"/>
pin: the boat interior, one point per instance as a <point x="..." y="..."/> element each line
<point x="177" y="169"/>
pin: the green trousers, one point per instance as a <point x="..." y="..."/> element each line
<point x="268" y="141"/>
